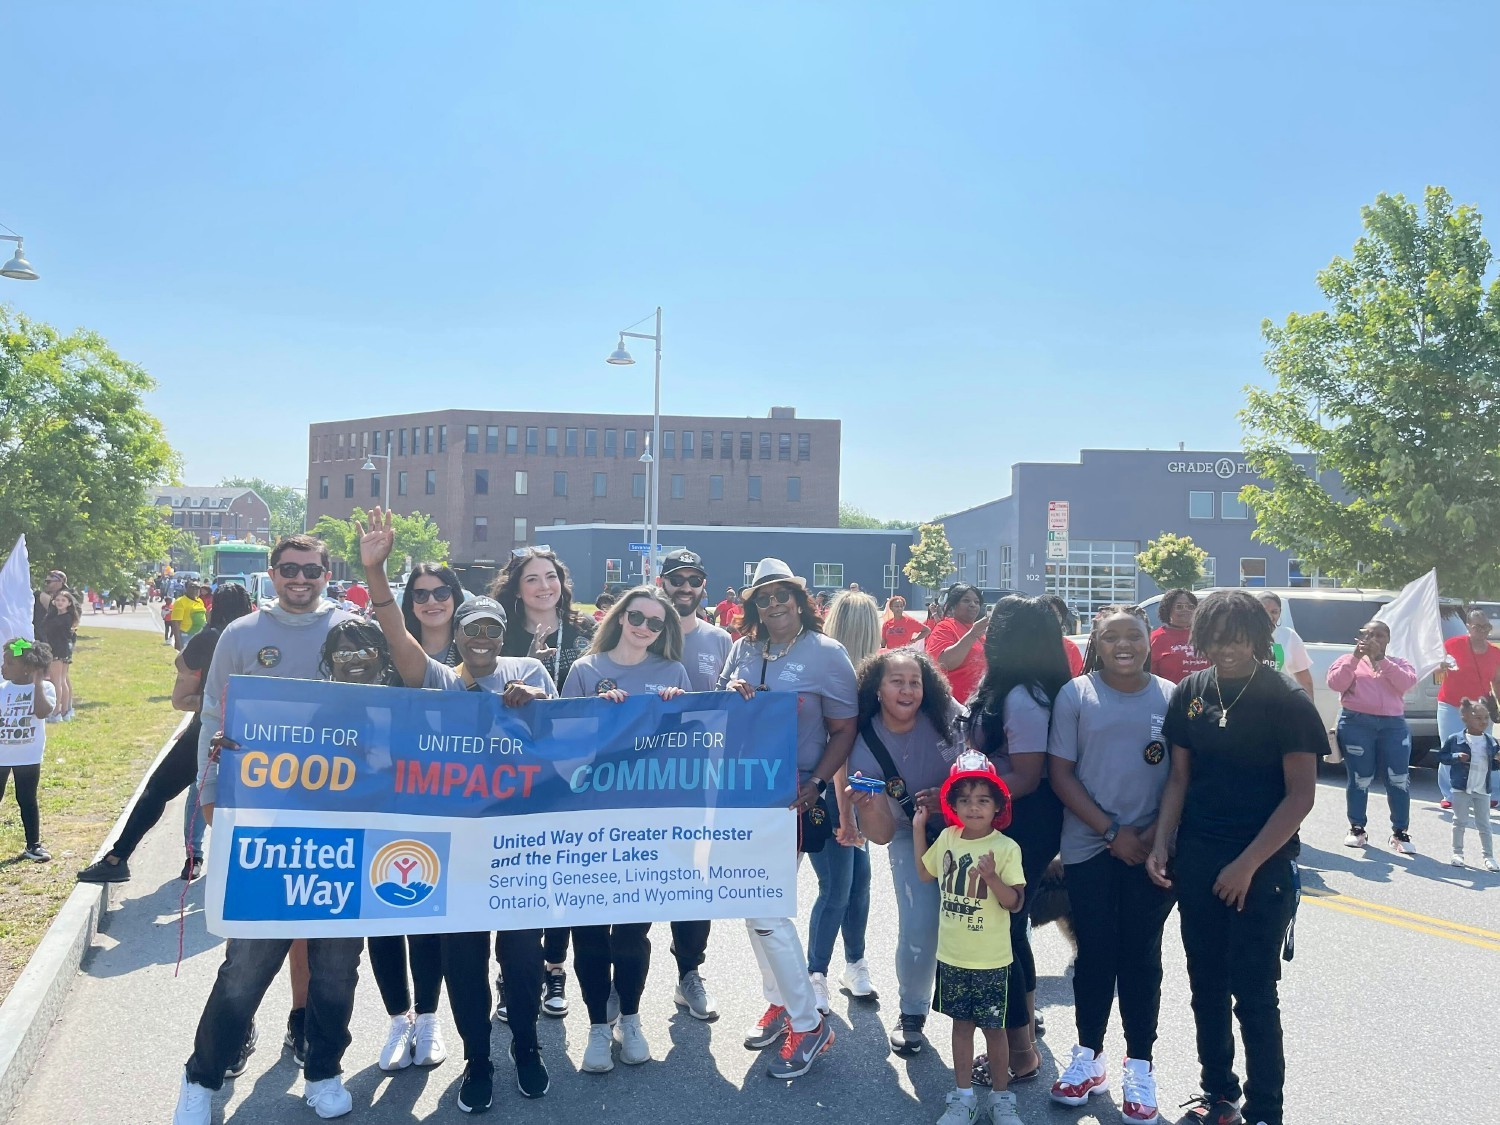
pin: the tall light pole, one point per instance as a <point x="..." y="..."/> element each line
<point x="648" y="460"/>
<point x="369" y="467"/>
<point x="653" y="492"/>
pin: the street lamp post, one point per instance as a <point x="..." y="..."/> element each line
<point x="622" y="358"/>
<point x="649" y="461"/>
<point x="18" y="267"/>
<point x="369" y="467"/>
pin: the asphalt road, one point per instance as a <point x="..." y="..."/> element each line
<point x="1390" y="1008"/>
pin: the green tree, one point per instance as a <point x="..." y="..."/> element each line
<point x="80" y="455"/>
<point x="184" y="552"/>
<point x="288" y="505"/>
<point x="1395" y="388"/>
<point x="852" y="516"/>
<point x="417" y="538"/>
<point x="931" y="558"/>
<point x="1172" y="561"/>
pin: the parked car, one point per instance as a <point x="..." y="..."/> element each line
<point x="1328" y="620"/>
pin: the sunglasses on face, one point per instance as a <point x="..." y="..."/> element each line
<point x="693" y="580"/>
<point x="307" y="570"/>
<point x="781" y="597"/>
<point x="441" y="594"/>
<point x="352" y="655"/>
<point x="637" y="618"/>
<point x="490" y="629"/>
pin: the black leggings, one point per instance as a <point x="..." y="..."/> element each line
<point x="178" y="771"/>
<point x="620" y="954"/>
<point x="27" y="780"/>
<point x="1036" y="825"/>
<point x="388" y="960"/>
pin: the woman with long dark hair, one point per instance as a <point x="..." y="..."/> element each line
<point x="431" y="597"/>
<point x="60" y="633"/>
<point x="1025" y="668"/>
<point x="957" y="641"/>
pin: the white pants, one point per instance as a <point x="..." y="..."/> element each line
<point x="783" y="969"/>
<point x="1477" y="805"/>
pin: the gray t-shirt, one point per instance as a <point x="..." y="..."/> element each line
<point x="1025" y="729"/>
<point x="651" y="675"/>
<point x="922" y="758"/>
<point x="818" y="669"/>
<point x="528" y="670"/>
<point x="704" y="651"/>
<point x="1112" y="737"/>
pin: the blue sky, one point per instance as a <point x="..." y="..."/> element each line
<point x="977" y="233"/>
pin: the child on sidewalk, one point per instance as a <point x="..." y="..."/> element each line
<point x="1470" y="756"/>
<point x="981" y="882"/>
<point x="27" y="697"/>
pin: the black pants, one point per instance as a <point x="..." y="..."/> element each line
<point x="555" y="945"/>
<point x="689" y="945"/>
<point x="28" y="778"/>
<point x="1036" y="826"/>
<point x="1118" y="915"/>
<point x="520" y="955"/>
<point x="177" y="772"/>
<point x="1234" y="956"/>
<point x="621" y="954"/>
<point x="250" y="965"/>
<point x="466" y="975"/>
<point x="388" y="961"/>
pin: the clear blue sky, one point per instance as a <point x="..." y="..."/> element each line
<point x="976" y="232"/>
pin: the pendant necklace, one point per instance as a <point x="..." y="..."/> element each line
<point x="766" y="652"/>
<point x="1223" y="710"/>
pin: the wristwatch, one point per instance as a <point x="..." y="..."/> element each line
<point x="1111" y="832"/>
<point x="820" y="783"/>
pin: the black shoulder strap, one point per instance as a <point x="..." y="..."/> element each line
<point x="888" y="767"/>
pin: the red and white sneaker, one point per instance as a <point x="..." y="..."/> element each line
<point x="1083" y="1078"/>
<point x="1138" y="1084"/>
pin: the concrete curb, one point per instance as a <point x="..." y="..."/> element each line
<point x="27" y="1015"/>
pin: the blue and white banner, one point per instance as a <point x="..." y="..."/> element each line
<point x="352" y="810"/>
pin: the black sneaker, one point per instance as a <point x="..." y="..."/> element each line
<point x="1206" y="1109"/>
<point x="295" y="1039"/>
<point x="102" y="871"/>
<point x="906" y="1036"/>
<point x="37" y="853"/>
<point x="531" y="1072"/>
<point x="477" y="1091"/>
<point x="502" y="1010"/>
<point x="192" y="869"/>
<point x="555" y="998"/>
<point x="237" y="1067"/>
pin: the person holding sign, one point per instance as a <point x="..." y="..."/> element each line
<point x="637" y="649"/>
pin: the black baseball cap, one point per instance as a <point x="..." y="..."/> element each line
<point x="682" y="560"/>
<point x="479" y="609"/>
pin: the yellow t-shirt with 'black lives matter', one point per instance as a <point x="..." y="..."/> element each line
<point x="973" y="928"/>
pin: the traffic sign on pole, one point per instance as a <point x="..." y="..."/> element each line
<point x="640" y="548"/>
<point x="1057" y="515"/>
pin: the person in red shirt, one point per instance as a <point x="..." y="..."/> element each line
<point x="1473" y="672"/>
<point x="725" y="608"/>
<point x="1173" y="656"/>
<point x="1069" y="622"/>
<point x="358" y="595"/>
<point x="899" y="630"/>
<point x="957" y="641"/>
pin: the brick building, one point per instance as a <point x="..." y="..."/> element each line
<point x="494" y="480"/>
<point x="212" y="514"/>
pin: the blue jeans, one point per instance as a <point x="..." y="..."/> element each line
<point x="917" y="910"/>
<point x="1450" y="721"/>
<point x="843" y="901"/>
<point x="1368" y="741"/>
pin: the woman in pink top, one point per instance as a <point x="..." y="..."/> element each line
<point x="1372" y="729"/>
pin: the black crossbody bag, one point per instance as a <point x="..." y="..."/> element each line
<point x="895" y="784"/>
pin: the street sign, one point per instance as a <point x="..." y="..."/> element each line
<point x="1058" y="549"/>
<point x="1057" y="515"/>
<point x="640" y="548"/>
<point x="1057" y="537"/>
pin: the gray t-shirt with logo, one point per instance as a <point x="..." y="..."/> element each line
<point x="650" y="675"/>
<point x="922" y="757"/>
<point x="818" y="669"/>
<point x="704" y="651"/>
<point x="530" y="671"/>
<point x="1115" y="741"/>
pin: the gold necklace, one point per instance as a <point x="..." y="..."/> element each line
<point x="1224" y="711"/>
<point x="766" y="652"/>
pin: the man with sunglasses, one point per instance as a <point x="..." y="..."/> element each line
<point x="284" y="640"/>
<point x="704" y="650"/>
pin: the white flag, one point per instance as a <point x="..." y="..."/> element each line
<point x="1415" y="624"/>
<point x="16" y="597"/>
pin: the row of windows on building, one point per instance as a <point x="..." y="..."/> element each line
<point x="1231" y="507"/>
<point x="208" y="520"/>
<point x="676" y="485"/>
<point x="825" y="574"/>
<point x="706" y="445"/>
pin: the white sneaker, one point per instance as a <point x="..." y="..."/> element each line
<point x="194" y="1104"/>
<point x="1490" y="864"/>
<point x="428" y="1048"/>
<point x="328" y="1097"/>
<point x="1357" y="837"/>
<point x="396" y="1054"/>
<point x="1138" y="1084"/>
<point x="597" y="1057"/>
<point x="856" y="981"/>
<point x="1084" y="1077"/>
<point x="820" y="991"/>
<point x="1003" y="1108"/>
<point x="1401" y="844"/>
<point x="961" y="1110"/>
<point x="1458" y="860"/>
<point x="634" y="1049"/>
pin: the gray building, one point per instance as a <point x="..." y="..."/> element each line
<point x="1075" y="529"/>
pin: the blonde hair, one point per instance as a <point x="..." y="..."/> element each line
<point x="668" y="643"/>
<point x="854" y="621"/>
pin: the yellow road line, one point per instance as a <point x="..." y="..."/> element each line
<point x="1328" y="901"/>
<point x="1427" y="918"/>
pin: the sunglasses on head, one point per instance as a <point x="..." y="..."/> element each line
<point x="693" y="580"/>
<point x="490" y="629"/>
<point x="781" y="597"/>
<point x="351" y="655"/>
<point x="637" y="618"/>
<point x="441" y="593"/>
<point x="527" y="552"/>
<point x="307" y="570"/>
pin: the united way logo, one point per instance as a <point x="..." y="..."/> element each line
<point x="405" y="872"/>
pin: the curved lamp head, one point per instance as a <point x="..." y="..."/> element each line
<point x="620" y="356"/>
<point x="20" y="269"/>
<point x="369" y="465"/>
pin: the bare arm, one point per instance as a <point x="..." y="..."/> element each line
<point x="187" y="690"/>
<point x="873" y="812"/>
<point x="1304" y="678"/>
<point x="1170" y="816"/>
<point x="841" y="734"/>
<point x="41" y="706"/>
<point x="956" y="653"/>
<point x="919" y="844"/>
<point x="375" y="545"/>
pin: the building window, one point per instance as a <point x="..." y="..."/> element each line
<point x="322" y="488"/>
<point x="609" y="443"/>
<point x="1302" y="576"/>
<point x="794" y="489"/>
<point x="981" y="568"/>
<point x="765" y="447"/>
<point x="520" y="482"/>
<point x="416" y="439"/>
<point x="708" y="445"/>
<point x="828" y="574"/>
<point x="716" y="488"/>
<point x="1231" y="507"/>
<point x="518" y="530"/>
<point x="591" y="443"/>
<point x="218" y="520"/>
<point x="612" y="572"/>
<point x="961" y="565"/>
<point x="531" y="432"/>
<point x="1007" y="578"/>
<point x="1252" y="572"/>
<point x="687" y="445"/>
<point x="677" y="486"/>
<point x="431" y="485"/>
<point x="551" y="441"/>
<point x="754" y="488"/>
<point x="481" y="482"/>
<point x="401" y="483"/>
<point x="442" y="439"/>
<point x="638" y="485"/>
<point x="375" y="486"/>
<point x="512" y="439"/>
<point x="726" y="445"/>
<point x="630" y="443"/>
<point x="427" y="440"/>
<point x="401" y="442"/>
<point x="492" y="439"/>
<point x="601" y="484"/>
<point x="349" y="486"/>
<point x="669" y="443"/>
<point x="804" y="447"/>
<point x="1200" y="505"/>
<point x="471" y="439"/>
<point x="559" y="484"/>
<point x="783" y="447"/>
<point x="197" y="519"/>
<point x="1097" y="573"/>
<point x="481" y="529"/>
<point x="1210" y="575"/>
<point x="744" y="447"/>
<point x="570" y="442"/>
